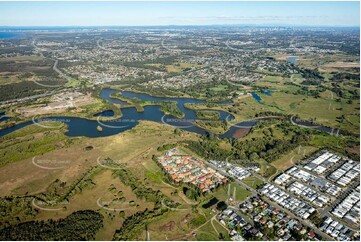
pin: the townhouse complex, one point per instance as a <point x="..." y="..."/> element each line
<point x="188" y="169"/>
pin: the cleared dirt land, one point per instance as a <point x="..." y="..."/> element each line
<point x="58" y="103"/>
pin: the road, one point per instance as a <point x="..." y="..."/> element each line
<point x="304" y="222"/>
<point x="224" y="173"/>
<point x="289" y="213"/>
<point x="326" y="211"/>
<point x="62" y="74"/>
<point x="19" y="100"/>
<point x="55" y="68"/>
<point x="246" y="218"/>
<point x="8" y="102"/>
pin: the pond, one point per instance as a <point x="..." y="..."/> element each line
<point x="256" y="97"/>
<point x="292" y="59"/>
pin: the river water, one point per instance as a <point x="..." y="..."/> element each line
<point x="131" y="117"/>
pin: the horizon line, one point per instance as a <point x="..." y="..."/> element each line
<point x="178" y="25"/>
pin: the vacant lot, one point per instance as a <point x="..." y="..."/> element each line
<point x="252" y="181"/>
<point x="288" y="160"/>
<point x="59" y="103"/>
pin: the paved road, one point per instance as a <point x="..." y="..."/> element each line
<point x="223" y="172"/>
<point x="19" y="100"/>
<point x="304" y="222"/>
<point x="8" y="102"/>
<point x="326" y="211"/>
<point x="289" y="213"/>
<point x="62" y="74"/>
<point x="55" y="68"/>
<point x="246" y="218"/>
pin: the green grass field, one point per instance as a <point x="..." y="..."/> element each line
<point x="252" y="181"/>
<point x="326" y="110"/>
<point x="289" y="159"/>
<point x="219" y="88"/>
<point x="241" y="193"/>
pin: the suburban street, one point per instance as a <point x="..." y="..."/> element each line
<point x="255" y="193"/>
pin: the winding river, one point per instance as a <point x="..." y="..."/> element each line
<point x="88" y="128"/>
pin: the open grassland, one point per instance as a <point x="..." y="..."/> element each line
<point x="324" y="61"/>
<point x="32" y="141"/>
<point x="219" y="228"/>
<point x="23" y="177"/>
<point x="207" y="233"/>
<point x="10" y="78"/>
<point x="340" y="64"/>
<point x="185" y="225"/>
<point x="22" y="68"/>
<point x="219" y="88"/>
<point x="262" y="130"/>
<point x="132" y="147"/>
<point x="176" y="225"/>
<point x="277" y="84"/>
<point x="326" y="110"/>
<point x="28" y="58"/>
<point x="288" y="160"/>
<point x="153" y="177"/>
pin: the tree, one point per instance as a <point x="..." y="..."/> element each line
<point x="177" y="131"/>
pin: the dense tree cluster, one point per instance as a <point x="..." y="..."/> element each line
<point x="22" y="89"/>
<point x="311" y="74"/>
<point x="136" y="222"/>
<point x="171" y="108"/>
<point x="344" y="93"/>
<point x="339" y="76"/>
<point x="80" y="225"/>
<point x="13" y="209"/>
<point x="167" y="146"/>
<point x="207" y="114"/>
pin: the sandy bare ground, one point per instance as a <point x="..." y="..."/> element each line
<point x="339" y="64"/>
<point x="241" y="133"/>
<point x="58" y="103"/>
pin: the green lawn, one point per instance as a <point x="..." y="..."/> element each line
<point x="252" y="181"/>
<point x="219" y="88"/>
<point x="241" y="194"/>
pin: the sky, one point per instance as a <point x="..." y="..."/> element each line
<point x="179" y="13"/>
